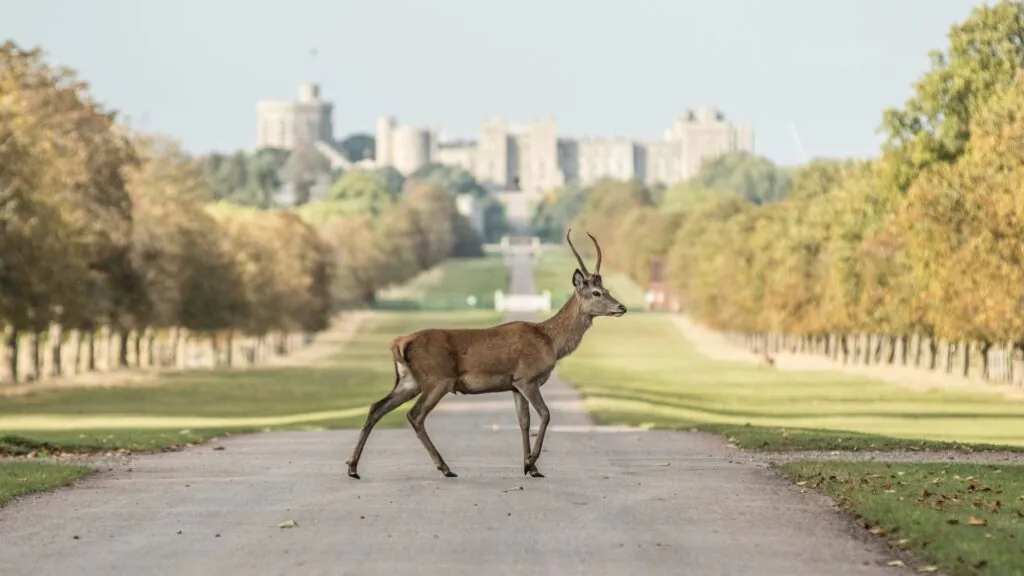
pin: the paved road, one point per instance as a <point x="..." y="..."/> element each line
<point x="614" y="502"/>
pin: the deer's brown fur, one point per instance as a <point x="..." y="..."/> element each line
<point x="516" y="357"/>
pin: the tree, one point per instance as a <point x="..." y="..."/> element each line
<point x="393" y="180"/>
<point x="751" y="177"/>
<point x="358" y="147"/>
<point x="985" y="55"/>
<point x="305" y="166"/>
<point x="555" y="212"/>
<point x="367" y="189"/>
<point x="495" y="219"/>
<point x="66" y="217"/>
<point x="452" y="178"/>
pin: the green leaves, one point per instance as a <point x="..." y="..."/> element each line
<point x="984" y="57"/>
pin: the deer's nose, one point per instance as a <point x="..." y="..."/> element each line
<point x="622" y="309"/>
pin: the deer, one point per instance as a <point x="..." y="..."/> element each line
<point x="516" y="357"/>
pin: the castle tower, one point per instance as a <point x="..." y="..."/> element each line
<point x="385" y="141"/>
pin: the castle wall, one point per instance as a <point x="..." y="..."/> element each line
<point x="290" y="124"/>
<point x="605" y="158"/>
<point x="540" y="160"/>
<point x="462" y="154"/>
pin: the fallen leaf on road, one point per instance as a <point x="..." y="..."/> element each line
<point x="877" y="531"/>
<point x="218" y="447"/>
<point x="513" y="489"/>
<point x="288" y="524"/>
<point x="928" y="569"/>
<point x="975" y="521"/>
<point x="664" y="463"/>
<point x="895" y="563"/>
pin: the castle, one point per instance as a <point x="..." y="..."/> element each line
<point x="534" y="158"/>
<point x="530" y="158"/>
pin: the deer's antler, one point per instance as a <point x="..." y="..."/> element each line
<point x="583" y="267"/>
<point x="597" y="267"/>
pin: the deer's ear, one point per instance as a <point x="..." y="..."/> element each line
<point x="577" y="279"/>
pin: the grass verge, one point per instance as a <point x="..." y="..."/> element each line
<point x="185" y="408"/>
<point x="18" y="478"/>
<point x="964" y="518"/>
<point x="448" y="286"/>
<point x="640" y="370"/>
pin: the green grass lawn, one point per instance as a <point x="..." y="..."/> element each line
<point x="189" y="407"/>
<point x="640" y="370"/>
<point x="965" y="518"/>
<point x="554" y="272"/>
<point x="448" y="286"/>
<point x="18" y="478"/>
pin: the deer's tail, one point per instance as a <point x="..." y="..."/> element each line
<point x="398" y="346"/>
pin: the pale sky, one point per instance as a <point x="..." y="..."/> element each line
<point x="196" y="68"/>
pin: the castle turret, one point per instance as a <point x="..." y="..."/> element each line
<point x="385" y="141"/>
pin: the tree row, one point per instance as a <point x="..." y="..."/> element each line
<point x="107" y="241"/>
<point x="913" y="257"/>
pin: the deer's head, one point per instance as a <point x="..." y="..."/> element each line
<point x="594" y="298"/>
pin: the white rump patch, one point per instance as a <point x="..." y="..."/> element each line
<point x="405" y="378"/>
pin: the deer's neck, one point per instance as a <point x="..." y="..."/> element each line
<point x="567" y="327"/>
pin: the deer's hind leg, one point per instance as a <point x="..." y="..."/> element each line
<point x="406" y="388"/>
<point x="418" y="414"/>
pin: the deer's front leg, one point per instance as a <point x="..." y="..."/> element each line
<point x="531" y="391"/>
<point x="523" y="413"/>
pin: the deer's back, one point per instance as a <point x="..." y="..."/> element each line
<point x="478" y="360"/>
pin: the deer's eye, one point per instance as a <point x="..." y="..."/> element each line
<point x="596" y="292"/>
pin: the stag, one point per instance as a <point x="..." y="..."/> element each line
<point x="516" y="357"/>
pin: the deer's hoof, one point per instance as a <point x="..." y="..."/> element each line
<point x="353" y="474"/>
<point x="449" y="474"/>
<point x="531" y="469"/>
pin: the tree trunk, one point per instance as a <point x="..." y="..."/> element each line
<point x="122" y="349"/>
<point x="78" y="351"/>
<point x="967" y="359"/>
<point x="56" y="342"/>
<point x="37" y="356"/>
<point x="933" y="350"/>
<point x="12" y="352"/>
<point x="91" y="350"/>
<point x="985" y="347"/>
<point x="229" y="360"/>
<point x="138" y="348"/>
<point x="892" y="350"/>
<point x="175" y="346"/>
<point x="151" y="348"/>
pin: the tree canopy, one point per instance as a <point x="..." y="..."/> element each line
<point x="858" y="248"/>
<point x="102" y="226"/>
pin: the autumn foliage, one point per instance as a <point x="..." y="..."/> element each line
<point x="110" y="249"/>
<point x="914" y="257"/>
